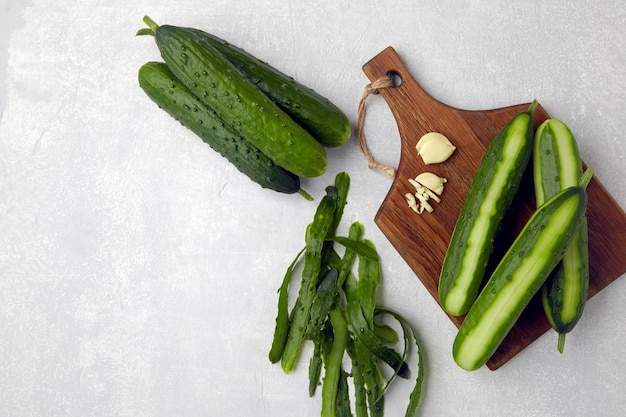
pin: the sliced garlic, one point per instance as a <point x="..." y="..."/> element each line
<point x="431" y="181"/>
<point x="414" y="183"/>
<point x="427" y="186"/>
<point x="410" y="199"/>
<point x="423" y="198"/>
<point x="434" y="148"/>
<point x="432" y="195"/>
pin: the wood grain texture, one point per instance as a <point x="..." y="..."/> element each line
<point x="422" y="240"/>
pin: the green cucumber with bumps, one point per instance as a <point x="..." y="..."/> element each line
<point x="171" y="95"/>
<point x="318" y="115"/>
<point x="520" y="274"/>
<point x="489" y="197"/>
<point x="237" y="101"/>
<point x="556" y="166"/>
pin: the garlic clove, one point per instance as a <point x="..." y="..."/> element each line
<point x="434" y="148"/>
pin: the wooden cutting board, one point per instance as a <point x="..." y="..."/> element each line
<point x="422" y="240"/>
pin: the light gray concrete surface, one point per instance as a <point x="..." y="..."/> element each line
<point x="138" y="270"/>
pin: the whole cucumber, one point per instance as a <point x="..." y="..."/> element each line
<point x="324" y="120"/>
<point x="519" y="275"/>
<point x="237" y="101"/>
<point x="171" y="95"/>
<point x="489" y="197"/>
<point x="556" y="166"/>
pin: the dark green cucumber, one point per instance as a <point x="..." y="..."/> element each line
<point x="519" y="275"/>
<point x="556" y="166"/>
<point x="325" y="121"/>
<point x="171" y="95"/>
<point x="238" y="102"/>
<point x="490" y="195"/>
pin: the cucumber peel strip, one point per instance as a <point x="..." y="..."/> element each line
<point x="366" y="335"/>
<point x="316" y="233"/>
<point x="333" y="360"/>
<point x="323" y="303"/>
<point x="315" y="367"/>
<point x="415" y="395"/>
<point x="360" y="248"/>
<point x="358" y="379"/>
<point x="282" y="317"/>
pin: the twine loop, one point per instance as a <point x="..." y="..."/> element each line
<point x="374" y="87"/>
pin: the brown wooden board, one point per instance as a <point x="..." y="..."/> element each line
<point x="422" y="240"/>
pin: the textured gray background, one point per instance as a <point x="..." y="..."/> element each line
<point x="138" y="270"/>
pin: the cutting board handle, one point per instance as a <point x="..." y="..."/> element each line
<point x="415" y="111"/>
<point x="388" y="64"/>
<point x="405" y="90"/>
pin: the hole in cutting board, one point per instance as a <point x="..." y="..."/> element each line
<point x="396" y="79"/>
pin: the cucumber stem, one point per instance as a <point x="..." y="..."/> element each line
<point x="561" y="343"/>
<point x="150" y="30"/>
<point x="586" y="177"/>
<point x="533" y="106"/>
<point x="306" y="195"/>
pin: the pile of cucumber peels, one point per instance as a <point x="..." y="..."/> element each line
<point x="336" y="310"/>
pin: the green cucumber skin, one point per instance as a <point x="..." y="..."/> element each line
<point x="219" y="84"/>
<point x="315" y="235"/>
<point x="519" y="275"/>
<point x="171" y="95"/>
<point x="556" y="166"/>
<point x="499" y="175"/>
<point x="325" y="121"/>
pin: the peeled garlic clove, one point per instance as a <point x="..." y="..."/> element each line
<point x="431" y="181"/>
<point x="428" y="137"/>
<point x="434" y="148"/>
